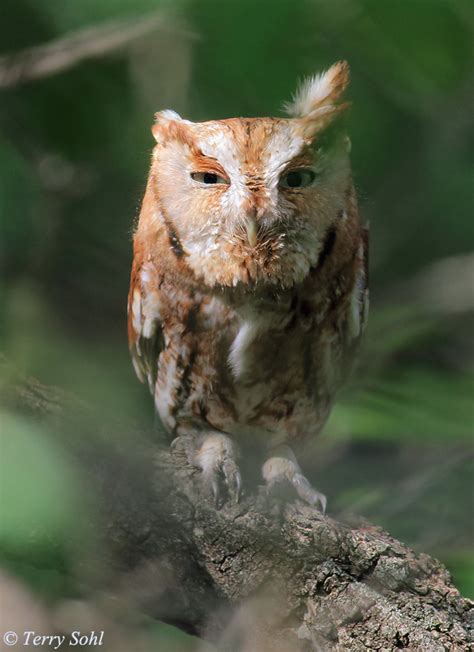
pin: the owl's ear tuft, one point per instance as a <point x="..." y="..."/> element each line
<point x="169" y="125"/>
<point x="317" y="99"/>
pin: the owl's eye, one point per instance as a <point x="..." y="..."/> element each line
<point x="300" y="178"/>
<point x="209" y="178"/>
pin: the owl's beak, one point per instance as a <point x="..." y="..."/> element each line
<point x="251" y="227"/>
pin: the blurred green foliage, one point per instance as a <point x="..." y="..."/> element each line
<point x="74" y="150"/>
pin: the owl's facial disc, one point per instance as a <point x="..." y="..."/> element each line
<point x="250" y="200"/>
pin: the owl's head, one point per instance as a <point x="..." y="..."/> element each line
<point x="250" y="200"/>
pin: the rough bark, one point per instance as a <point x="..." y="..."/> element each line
<point x="263" y="575"/>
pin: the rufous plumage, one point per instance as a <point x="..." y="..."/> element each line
<point x="248" y="290"/>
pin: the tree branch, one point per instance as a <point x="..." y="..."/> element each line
<point x="256" y="576"/>
<point x="68" y="51"/>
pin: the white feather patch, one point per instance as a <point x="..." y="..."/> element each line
<point x="137" y="310"/>
<point x="238" y="351"/>
<point x="138" y="369"/>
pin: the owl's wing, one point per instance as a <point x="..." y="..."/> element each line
<point x="145" y="335"/>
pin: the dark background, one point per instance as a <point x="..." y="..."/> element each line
<point x="75" y="144"/>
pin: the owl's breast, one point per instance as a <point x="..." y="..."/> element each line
<point x="282" y="379"/>
<point x="252" y="373"/>
<point x="256" y="378"/>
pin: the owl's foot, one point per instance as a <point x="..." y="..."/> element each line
<point x="282" y="468"/>
<point x="217" y="458"/>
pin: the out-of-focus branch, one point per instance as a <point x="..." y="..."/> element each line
<point x="250" y="577"/>
<point x="66" y="52"/>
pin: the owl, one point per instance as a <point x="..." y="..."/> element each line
<point x="248" y="291"/>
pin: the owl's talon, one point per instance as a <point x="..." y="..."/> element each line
<point x="217" y="459"/>
<point x="307" y="493"/>
<point x="282" y="470"/>
<point x="233" y="479"/>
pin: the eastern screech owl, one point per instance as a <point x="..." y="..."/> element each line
<point x="248" y="290"/>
